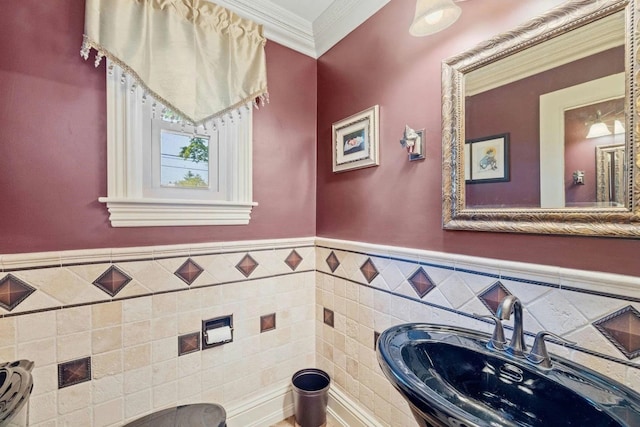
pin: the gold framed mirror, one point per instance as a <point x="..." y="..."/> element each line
<point x="545" y="85"/>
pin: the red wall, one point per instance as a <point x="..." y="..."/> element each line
<point x="580" y="152"/>
<point x="53" y="142"/>
<point x="399" y="203"/>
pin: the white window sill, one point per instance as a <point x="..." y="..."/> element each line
<point x="164" y="212"/>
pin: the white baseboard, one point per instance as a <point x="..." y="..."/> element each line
<point x="263" y="410"/>
<point x="347" y="412"/>
<point x="276" y="404"/>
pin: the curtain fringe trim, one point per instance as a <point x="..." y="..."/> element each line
<point x="258" y="98"/>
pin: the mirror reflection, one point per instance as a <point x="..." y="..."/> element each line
<point x="539" y="126"/>
<point x="532" y="120"/>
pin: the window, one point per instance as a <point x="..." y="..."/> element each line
<point x="162" y="172"/>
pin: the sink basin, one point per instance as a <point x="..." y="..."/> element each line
<point x="16" y="384"/>
<point x="450" y="378"/>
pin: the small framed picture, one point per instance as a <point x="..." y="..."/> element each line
<point x="487" y="159"/>
<point x="355" y="141"/>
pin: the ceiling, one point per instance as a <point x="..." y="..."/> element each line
<point x="308" y="10"/>
<point x="310" y="27"/>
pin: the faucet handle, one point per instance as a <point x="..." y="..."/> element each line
<point x="497" y="339"/>
<point x="539" y="355"/>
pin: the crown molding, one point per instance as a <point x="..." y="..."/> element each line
<point x="580" y="43"/>
<point x="340" y="19"/>
<point x="280" y="25"/>
<point x="311" y="39"/>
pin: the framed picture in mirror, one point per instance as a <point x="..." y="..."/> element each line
<point x="488" y="159"/>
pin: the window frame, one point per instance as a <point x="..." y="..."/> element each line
<point x="215" y="169"/>
<point x="129" y="166"/>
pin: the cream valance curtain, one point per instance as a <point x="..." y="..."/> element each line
<point x="197" y="58"/>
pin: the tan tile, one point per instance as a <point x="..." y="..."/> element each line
<point x="189" y="386"/>
<point x="73" y="320"/>
<point x="61" y="284"/>
<point x="189" y="300"/>
<point x="106" y="364"/>
<point x="165" y="349"/>
<point x="75" y="398"/>
<point x="43" y="407"/>
<point x="105" y="340"/>
<point x="137" y="379"/>
<point x="8" y="353"/>
<point x="8" y="328"/>
<point x="107" y="388"/>
<point x="165" y="394"/>
<point x="41" y="353"/>
<point x="74" y="346"/>
<point x="105" y="315"/>
<point x="37" y="326"/>
<point x="137" y="404"/>
<point x="45" y="379"/>
<point x="164" y="304"/>
<point x="136" y="333"/>
<point x="164" y="327"/>
<point x="108" y="413"/>
<point x="136" y="309"/>
<point x="137" y="357"/>
<point x="164" y="372"/>
<point x="189" y="322"/>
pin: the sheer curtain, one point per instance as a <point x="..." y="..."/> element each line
<point x="197" y="58"/>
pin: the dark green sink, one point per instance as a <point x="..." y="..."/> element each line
<point x="450" y="378"/>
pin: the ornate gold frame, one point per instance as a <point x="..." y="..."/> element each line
<point x="612" y="222"/>
<point x="603" y="175"/>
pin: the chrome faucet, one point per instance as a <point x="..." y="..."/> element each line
<point x="539" y="355"/>
<point x="516" y="347"/>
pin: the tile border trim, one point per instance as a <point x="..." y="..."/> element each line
<point x="61" y="307"/>
<point x="71" y="258"/>
<point x="623" y="286"/>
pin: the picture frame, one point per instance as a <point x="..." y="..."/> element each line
<point x="355" y="141"/>
<point x="487" y="159"/>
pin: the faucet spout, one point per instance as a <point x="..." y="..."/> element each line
<point x="510" y="304"/>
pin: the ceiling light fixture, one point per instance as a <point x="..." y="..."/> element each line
<point x="598" y="128"/>
<point x="432" y="16"/>
<point x="618" y="127"/>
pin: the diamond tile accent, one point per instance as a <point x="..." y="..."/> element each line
<point x="493" y="296"/>
<point x="622" y="328"/>
<point x="247" y="265"/>
<point x="13" y="291"/>
<point x="74" y="372"/>
<point x="267" y="322"/>
<point x="112" y="281"/>
<point x="189" y="271"/>
<point x="421" y="282"/>
<point x="369" y="270"/>
<point x="293" y="260"/>
<point x="333" y="262"/>
<point x="188" y="343"/>
<point x="328" y="317"/>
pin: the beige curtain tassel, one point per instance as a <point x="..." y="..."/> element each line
<point x="198" y="59"/>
